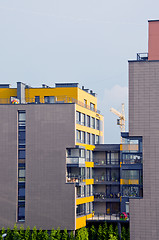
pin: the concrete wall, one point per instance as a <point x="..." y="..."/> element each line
<point x="50" y="202"/>
<point x="144" y="121"/>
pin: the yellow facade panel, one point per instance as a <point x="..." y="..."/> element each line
<point x="89" y="181"/>
<point x="84" y="200"/>
<point x="89" y="164"/>
<point x="6" y="93"/>
<point x="81" y="221"/>
<point x="129" y="181"/>
<point x="87" y="147"/>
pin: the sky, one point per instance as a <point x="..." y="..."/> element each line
<point x="86" y="41"/>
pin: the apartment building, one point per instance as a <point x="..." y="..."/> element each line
<point x="144" y="122"/>
<point x="47" y="135"/>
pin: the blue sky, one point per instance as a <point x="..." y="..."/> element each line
<point x="86" y="41"/>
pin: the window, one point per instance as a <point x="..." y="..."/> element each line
<point x="49" y="99"/>
<point x="92" y="122"/>
<point x="85" y="103"/>
<point x="21" y="154"/>
<point x="37" y="99"/>
<point x="83" y="119"/>
<point x="82" y="137"/>
<point x="88" y="121"/>
<point x="78" y="117"/>
<point x="97" y="124"/>
<point x="92" y="106"/>
<point x="21" y="136"/>
<point x="97" y="139"/>
<point x="88" y="138"/>
<point x="93" y="139"/>
<point x="78" y="135"/>
<point x="87" y="155"/>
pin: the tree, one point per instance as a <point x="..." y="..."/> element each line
<point x="71" y="236"/>
<point x="105" y="231"/>
<point x="100" y="233"/>
<point x="65" y="234"/>
<point x="92" y="233"/>
<point x="15" y="235"/>
<point x="40" y="234"/>
<point x="128" y="234"/>
<point x="111" y="237"/>
<point x="110" y="230"/>
<point x="34" y="233"/>
<point x="27" y="233"/>
<point x="53" y="234"/>
<point x="58" y="234"/>
<point x="9" y="234"/>
<point x="78" y="235"/>
<point x="123" y="233"/>
<point x="2" y="232"/>
<point x="116" y="234"/>
<point x="22" y="232"/>
<point x="45" y="235"/>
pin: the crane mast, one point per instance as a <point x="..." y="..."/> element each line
<point x="121" y="119"/>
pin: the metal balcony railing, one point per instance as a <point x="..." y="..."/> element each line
<point x="102" y="195"/>
<point x="121" y="216"/>
<point x="105" y="179"/>
<point x="102" y="162"/>
<point x="132" y="161"/>
<point x="57" y="99"/>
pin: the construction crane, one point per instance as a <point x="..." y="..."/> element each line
<point x="121" y="119"/>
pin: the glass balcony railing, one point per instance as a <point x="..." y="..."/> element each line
<point x="103" y="196"/>
<point x="103" y="162"/>
<point x="57" y="99"/>
<point x="75" y="161"/>
<point x="104" y="178"/>
<point x="75" y="179"/>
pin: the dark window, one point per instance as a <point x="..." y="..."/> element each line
<point x="97" y="124"/>
<point x="37" y="99"/>
<point x="21" y="136"/>
<point x="21" y="154"/>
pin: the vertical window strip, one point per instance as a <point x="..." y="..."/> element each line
<point x="21" y="164"/>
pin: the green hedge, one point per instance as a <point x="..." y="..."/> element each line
<point x="102" y="232"/>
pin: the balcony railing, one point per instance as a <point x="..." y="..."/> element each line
<point x="132" y="161"/>
<point x="110" y="217"/>
<point x="101" y="179"/>
<point x="103" y="162"/>
<point x="57" y="99"/>
<point x="75" y="179"/>
<point x="102" y="195"/>
<point x="75" y="161"/>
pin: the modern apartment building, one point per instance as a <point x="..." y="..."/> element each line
<point x="144" y="122"/>
<point x="47" y="136"/>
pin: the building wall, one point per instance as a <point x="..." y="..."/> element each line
<point x="144" y="121"/>
<point x="50" y="129"/>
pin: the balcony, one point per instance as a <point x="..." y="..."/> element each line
<point x="106" y="180"/>
<point x="78" y="180"/>
<point x="75" y="161"/>
<point x="106" y="164"/>
<point x="132" y="161"/>
<point x="103" y="197"/>
<point x="57" y="99"/>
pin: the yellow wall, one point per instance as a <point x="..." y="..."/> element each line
<point x="81" y="221"/>
<point x="89" y="181"/>
<point x="84" y="200"/>
<point x="8" y="92"/>
<point x="89" y="164"/>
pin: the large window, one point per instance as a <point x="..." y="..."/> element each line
<point x="88" y="138"/>
<point x="97" y="124"/>
<point x="132" y="191"/>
